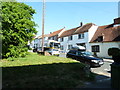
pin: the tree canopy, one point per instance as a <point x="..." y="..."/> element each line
<point x="18" y="28"/>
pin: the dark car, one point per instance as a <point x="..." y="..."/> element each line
<point x="85" y="57"/>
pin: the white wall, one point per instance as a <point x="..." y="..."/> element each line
<point x="104" y="48"/>
<point x="73" y="42"/>
<point x="91" y="33"/>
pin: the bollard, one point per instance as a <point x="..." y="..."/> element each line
<point x="115" y="76"/>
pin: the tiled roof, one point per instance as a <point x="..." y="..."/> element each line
<point x="46" y="35"/>
<point x="68" y="32"/>
<point x="55" y="32"/>
<point x="84" y="28"/>
<point x="109" y="32"/>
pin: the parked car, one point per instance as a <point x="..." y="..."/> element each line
<point x="54" y="52"/>
<point x="35" y="50"/>
<point x="85" y="57"/>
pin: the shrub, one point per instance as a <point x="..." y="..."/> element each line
<point x="115" y="53"/>
<point x="17" y="51"/>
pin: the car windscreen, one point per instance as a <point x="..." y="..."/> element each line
<point x="57" y="45"/>
<point x="86" y="53"/>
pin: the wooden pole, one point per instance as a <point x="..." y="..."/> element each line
<point x="43" y="14"/>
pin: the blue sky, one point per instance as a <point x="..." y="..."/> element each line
<point x="70" y="14"/>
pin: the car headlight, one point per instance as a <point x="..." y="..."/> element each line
<point x="95" y="61"/>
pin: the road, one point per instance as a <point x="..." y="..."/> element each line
<point x="103" y="70"/>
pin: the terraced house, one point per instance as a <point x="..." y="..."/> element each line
<point x="80" y="36"/>
<point x="96" y="39"/>
<point x="106" y="37"/>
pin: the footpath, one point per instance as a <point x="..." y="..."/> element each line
<point x="101" y="82"/>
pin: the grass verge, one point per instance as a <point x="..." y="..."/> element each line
<point x="36" y="71"/>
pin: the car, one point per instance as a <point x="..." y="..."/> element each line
<point x="35" y="50"/>
<point x="54" y="52"/>
<point x="85" y="57"/>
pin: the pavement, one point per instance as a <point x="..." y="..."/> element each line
<point x="103" y="77"/>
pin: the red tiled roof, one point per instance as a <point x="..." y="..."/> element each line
<point x="46" y="35"/>
<point x="109" y="32"/>
<point x="84" y="28"/>
<point x="55" y="32"/>
<point x="68" y="32"/>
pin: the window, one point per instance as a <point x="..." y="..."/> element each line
<point x="100" y="39"/>
<point x="70" y="38"/>
<point x="95" y="48"/>
<point x="72" y="52"/>
<point x="69" y="47"/>
<point x="80" y="36"/>
<point x="62" y="48"/>
<point x="61" y="39"/>
<point x="53" y="38"/>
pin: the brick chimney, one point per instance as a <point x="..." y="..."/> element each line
<point x="117" y="20"/>
<point x="81" y="24"/>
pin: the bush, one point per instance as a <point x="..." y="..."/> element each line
<point x="17" y="51"/>
<point x="115" y="53"/>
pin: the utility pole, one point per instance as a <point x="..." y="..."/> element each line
<point x="43" y="15"/>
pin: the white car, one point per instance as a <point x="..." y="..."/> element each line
<point x="54" y="52"/>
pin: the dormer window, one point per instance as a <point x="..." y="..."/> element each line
<point x="100" y="39"/>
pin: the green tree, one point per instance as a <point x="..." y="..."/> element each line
<point x="18" y="28"/>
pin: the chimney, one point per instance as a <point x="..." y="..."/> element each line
<point x="117" y="20"/>
<point x="50" y="32"/>
<point x="81" y="24"/>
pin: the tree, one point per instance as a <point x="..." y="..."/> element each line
<point x="18" y="28"/>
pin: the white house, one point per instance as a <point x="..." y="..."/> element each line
<point x="77" y="36"/>
<point x="38" y="40"/>
<point x="52" y="36"/>
<point x="106" y="37"/>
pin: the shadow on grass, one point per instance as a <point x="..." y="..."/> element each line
<point x="57" y="75"/>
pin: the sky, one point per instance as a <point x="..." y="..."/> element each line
<point x="69" y="14"/>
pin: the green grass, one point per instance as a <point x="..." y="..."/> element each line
<point x="36" y="71"/>
<point x="35" y="59"/>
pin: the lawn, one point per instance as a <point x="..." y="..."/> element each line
<point x="35" y="71"/>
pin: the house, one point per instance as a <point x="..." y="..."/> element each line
<point x="31" y="43"/>
<point x="38" y="40"/>
<point x="77" y="36"/>
<point x="54" y="35"/>
<point x="106" y="37"/>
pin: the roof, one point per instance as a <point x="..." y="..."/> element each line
<point x="55" y="32"/>
<point x="68" y="32"/>
<point x="109" y="32"/>
<point x="46" y="35"/>
<point x="84" y="28"/>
